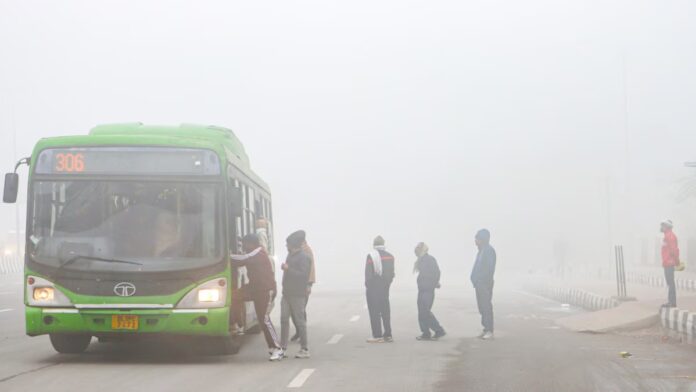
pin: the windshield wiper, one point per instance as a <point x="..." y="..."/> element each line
<point x="83" y="257"/>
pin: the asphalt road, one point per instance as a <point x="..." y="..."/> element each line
<point x="529" y="354"/>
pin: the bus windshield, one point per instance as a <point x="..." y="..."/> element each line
<point x="124" y="226"/>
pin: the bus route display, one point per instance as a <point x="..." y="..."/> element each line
<point x="128" y="161"/>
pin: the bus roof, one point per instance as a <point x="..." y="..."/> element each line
<point x="221" y="140"/>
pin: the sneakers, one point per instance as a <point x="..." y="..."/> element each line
<point x="481" y="334"/>
<point x="388" y="339"/>
<point x="424" y="337"/>
<point x="487" y="336"/>
<point x="277" y="355"/>
<point x="375" y="340"/>
<point x="303" y="354"/>
<point x="440" y="334"/>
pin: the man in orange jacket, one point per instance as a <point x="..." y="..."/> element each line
<point x="670" y="259"/>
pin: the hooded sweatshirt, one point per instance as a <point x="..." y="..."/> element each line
<point x="259" y="269"/>
<point x="484" y="267"/>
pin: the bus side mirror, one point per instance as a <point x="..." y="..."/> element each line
<point x="11" y="187"/>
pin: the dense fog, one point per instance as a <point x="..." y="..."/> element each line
<point x="547" y="122"/>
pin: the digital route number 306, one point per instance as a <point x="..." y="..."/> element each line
<point x="69" y="163"/>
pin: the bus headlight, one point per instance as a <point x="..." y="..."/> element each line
<point x="211" y="294"/>
<point x="41" y="292"/>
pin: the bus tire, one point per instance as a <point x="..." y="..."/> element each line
<point x="70" y="344"/>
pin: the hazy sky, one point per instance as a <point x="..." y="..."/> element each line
<point x="417" y="120"/>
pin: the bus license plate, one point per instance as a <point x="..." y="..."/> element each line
<point x="124" y="321"/>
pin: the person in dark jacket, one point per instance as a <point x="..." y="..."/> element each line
<point x="296" y="270"/>
<point x="428" y="280"/>
<point x="262" y="286"/>
<point x="379" y="275"/>
<point x="482" y="279"/>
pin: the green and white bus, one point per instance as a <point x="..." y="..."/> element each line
<point x="129" y="232"/>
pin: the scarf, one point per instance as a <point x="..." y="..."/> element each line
<point x="377" y="259"/>
<point x="246" y="256"/>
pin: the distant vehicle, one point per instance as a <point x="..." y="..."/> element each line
<point x="129" y="232"/>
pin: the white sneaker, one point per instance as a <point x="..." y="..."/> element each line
<point x="375" y="340"/>
<point x="303" y="354"/>
<point x="487" y="336"/>
<point x="277" y="355"/>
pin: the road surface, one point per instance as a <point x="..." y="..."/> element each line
<point x="529" y="354"/>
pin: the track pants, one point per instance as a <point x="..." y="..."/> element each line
<point x="292" y="307"/>
<point x="294" y="322"/>
<point x="380" y="311"/>
<point x="484" y="299"/>
<point x="262" y="306"/>
<point x="426" y="318"/>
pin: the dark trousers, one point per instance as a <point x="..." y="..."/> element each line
<point x="426" y="318"/>
<point x="380" y="311"/>
<point x="672" y="287"/>
<point x="262" y="305"/>
<point x="484" y="299"/>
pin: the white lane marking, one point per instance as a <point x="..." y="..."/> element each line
<point x="335" y="339"/>
<point x="5" y="310"/>
<point x="365" y="306"/>
<point x="354" y="318"/>
<point x="300" y="379"/>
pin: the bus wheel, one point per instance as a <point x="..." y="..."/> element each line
<point x="70" y="344"/>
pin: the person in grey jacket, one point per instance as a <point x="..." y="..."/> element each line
<point x="482" y="279"/>
<point x="295" y="278"/>
<point x="428" y="280"/>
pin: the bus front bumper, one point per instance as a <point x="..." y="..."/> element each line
<point x="100" y="322"/>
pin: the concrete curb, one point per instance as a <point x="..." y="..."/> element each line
<point x="659" y="281"/>
<point x="577" y="297"/>
<point x="678" y="320"/>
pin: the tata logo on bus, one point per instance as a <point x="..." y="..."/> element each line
<point x="124" y="289"/>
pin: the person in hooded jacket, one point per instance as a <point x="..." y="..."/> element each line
<point x="428" y="280"/>
<point x="261" y="288"/>
<point x="379" y="275"/>
<point x="482" y="279"/>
